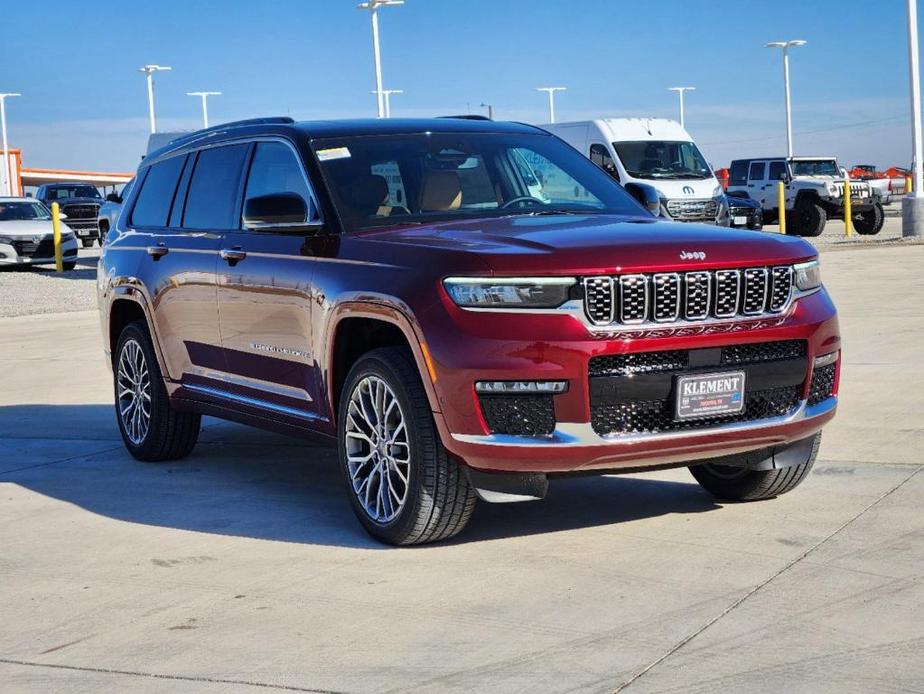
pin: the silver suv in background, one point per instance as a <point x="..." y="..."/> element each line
<point x="814" y="193"/>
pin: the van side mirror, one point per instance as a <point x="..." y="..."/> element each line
<point x="646" y="195"/>
<point x="279" y="212"/>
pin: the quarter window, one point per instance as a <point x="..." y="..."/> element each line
<point x="275" y="169"/>
<point x="600" y="156"/>
<point x="213" y="190"/>
<point x="157" y="192"/>
<point x="757" y="171"/>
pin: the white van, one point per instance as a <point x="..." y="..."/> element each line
<point x="657" y="152"/>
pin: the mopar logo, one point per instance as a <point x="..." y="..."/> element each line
<point x="688" y="190"/>
<point x="692" y="255"/>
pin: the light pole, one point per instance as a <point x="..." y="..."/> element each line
<point x="7" y="173"/>
<point x="373" y="7"/>
<point x="551" y="91"/>
<point x="205" y="107"/>
<point x="490" y="108"/>
<point x="680" y="91"/>
<point x="387" y="94"/>
<point x="786" y="45"/>
<point x="149" y="71"/>
<point x="913" y="204"/>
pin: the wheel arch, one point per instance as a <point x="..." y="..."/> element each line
<point x="356" y="328"/>
<point x="127" y="306"/>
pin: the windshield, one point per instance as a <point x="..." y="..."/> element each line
<point x="815" y="167"/>
<point x="67" y="192"/>
<point x="386" y="180"/>
<point x="662" y="159"/>
<point x="23" y="211"/>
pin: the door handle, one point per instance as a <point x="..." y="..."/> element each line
<point x="157" y="251"/>
<point x="232" y="255"/>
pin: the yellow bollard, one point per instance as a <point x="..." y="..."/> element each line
<point x="907" y="184"/>
<point x="781" y="201"/>
<point x="848" y="211"/>
<point x="56" y="226"/>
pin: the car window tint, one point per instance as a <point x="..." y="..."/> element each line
<point x="757" y="171"/>
<point x="738" y="174"/>
<point x="777" y="170"/>
<point x="156" y="194"/>
<point x="212" y="199"/>
<point x="275" y="169"/>
<point x="391" y="172"/>
<point x="600" y="156"/>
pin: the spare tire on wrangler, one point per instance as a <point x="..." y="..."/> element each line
<point x="808" y="218"/>
<point x="869" y="222"/>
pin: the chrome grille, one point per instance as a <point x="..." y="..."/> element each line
<point x="633" y="298"/>
<point x="599" y="299"/>
<point x="85" y="211"/>
<point x="780" y="287"/>
<point x="692" y="210"/>
<point x="699" y="295"/>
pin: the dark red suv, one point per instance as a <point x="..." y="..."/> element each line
<point x="466" y="307"/>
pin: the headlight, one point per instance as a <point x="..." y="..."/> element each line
<point x="719" y="190"/>
<point x="6" y="240"/>
<point x="807" y="275"/>
<point x="509" y="292"/>
<point x="831" y="188"/>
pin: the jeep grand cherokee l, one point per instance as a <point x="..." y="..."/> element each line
<point x="466" y="308"/>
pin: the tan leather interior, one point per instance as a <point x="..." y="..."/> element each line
<point x="441" y="191"/>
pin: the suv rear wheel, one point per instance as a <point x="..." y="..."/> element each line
<point x="808" y="218"/>
<point x="870" y="222"/>
<point x="151" y="429"/>
<point x="742" y="483"/>
<point x="403" y="486"/>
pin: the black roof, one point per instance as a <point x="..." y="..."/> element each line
<point x="343" y="128"/>
<point x="401" y="126"/>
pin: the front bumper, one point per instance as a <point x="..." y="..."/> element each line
<point x="36" y="254"/>
<point x="512" y="347"/>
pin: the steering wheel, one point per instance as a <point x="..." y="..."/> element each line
<point x="522" y="200"/>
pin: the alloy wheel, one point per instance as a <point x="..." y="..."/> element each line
<point x="134" y="392"/>
<point x="377" y="449"/>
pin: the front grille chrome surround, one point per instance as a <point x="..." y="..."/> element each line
<point x="695" y="296"/>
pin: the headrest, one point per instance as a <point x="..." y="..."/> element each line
<point x="441" y="191"/>
<point x="369" y="191"/>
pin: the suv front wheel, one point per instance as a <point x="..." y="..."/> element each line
<point x="402" y="484"/>
<point x="151" y="429"/>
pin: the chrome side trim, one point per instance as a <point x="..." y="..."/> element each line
<point x="253" y="402"/>
<point x="576" y="434"/>
<point x="256" y="384"/>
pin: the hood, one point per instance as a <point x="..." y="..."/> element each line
<point x="596" y="244"/>
<point x="28" y="228"/>
<point x="683" y="188"/>
<point x="735" y="202"/>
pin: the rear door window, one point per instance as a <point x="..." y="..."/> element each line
<point x="156" y="194"/>
<point x="212" y="201"/>
<point x="757" y="171"/>
<point x="738" y="174"/>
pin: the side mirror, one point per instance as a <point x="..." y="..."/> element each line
<point x="279" y="212"/>
<point x="114" y="197"/>
<point x="28" y="195"/>
<point x="646" y="195"/>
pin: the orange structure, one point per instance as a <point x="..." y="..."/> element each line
<point x="29" y="176"/>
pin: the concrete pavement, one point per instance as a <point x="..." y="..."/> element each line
<point x="242" y="568"/>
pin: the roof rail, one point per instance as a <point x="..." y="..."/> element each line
<point x="198" y="134"/>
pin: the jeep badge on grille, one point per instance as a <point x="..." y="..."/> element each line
<point x="692" y="255"/>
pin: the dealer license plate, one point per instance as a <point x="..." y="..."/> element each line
<point x="710" y="395"/>
<point x="83" y="232"/>
<point x="741" y="220"/>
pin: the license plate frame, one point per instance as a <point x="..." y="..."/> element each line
<point x="720" y="399"/>
<point x="740" y="219"/>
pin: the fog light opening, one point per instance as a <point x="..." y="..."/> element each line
<point x="521" y="387"/>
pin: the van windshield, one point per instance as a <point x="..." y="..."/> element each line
<point x="390" y="180"/>
<point x="662" y="159"/>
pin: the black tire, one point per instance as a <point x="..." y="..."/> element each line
<point x="869" y="223"/>
<point x="170" y="435"/>
<point x="438" y="497"/>
<point x="740" y="483"/>
<point x="69" y="265"/>
<point x="103" y="230"/>
<point x="87" y="243"/>
<point x="807" y="219"/>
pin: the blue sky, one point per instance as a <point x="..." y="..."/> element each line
<point x="85" y="104"/>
